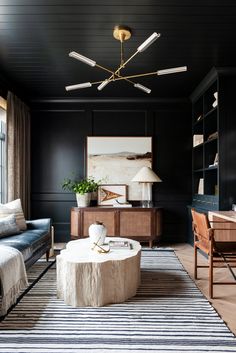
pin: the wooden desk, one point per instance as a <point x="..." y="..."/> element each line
<point x="229" y="220"/>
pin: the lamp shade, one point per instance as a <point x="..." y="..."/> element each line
<point x="146" y="175"/>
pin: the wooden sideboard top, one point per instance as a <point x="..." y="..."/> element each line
<point x="136" y="208"/>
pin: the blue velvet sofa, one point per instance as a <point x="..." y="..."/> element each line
<point x="33" y="242"/>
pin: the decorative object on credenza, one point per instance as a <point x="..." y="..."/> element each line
<point x="122" y="33"/>
<point x="97" y="233"/>
<point x="233" y="207"/>
<point x="108" y="194"/>
<point x="115" y="160"/>
<point x="83" y="188"/>
<point x="122" y="204"/>
<point x="146" y="177"/>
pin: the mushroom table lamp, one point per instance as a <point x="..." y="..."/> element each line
<point x="146" y="177"/>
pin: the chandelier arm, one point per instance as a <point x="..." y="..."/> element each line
<point x="105" y="69"/>
<point x="121" y="67"/>
<point x="113" y="74"/>
<point x="126" y="78"/>
<point x="160" y="72"/>
<point x="133" y="76"/>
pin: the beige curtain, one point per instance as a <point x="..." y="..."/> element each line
<point x="18" y="152"/>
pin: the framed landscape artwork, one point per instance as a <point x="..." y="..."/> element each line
<point x="110" y="194"/>
<point x="116" y="160"/>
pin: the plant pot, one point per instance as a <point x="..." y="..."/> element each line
<point x="97" y="233"/>
<point x="83" y="200"/>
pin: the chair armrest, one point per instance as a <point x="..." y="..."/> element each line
<point x="43" y="223"/>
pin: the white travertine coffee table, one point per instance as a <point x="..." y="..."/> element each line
<point x="87" y="278"/>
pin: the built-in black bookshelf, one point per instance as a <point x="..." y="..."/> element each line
<point x="214" y="148"/>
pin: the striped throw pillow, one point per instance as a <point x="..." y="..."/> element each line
<point x="14" y="207"/>
<point x="8" y="226"/>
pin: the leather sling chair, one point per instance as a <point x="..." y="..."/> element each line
<point x="219" y="252"/>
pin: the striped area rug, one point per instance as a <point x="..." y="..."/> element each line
<point x="34" y="273"/>
<point x="168" y="314"/>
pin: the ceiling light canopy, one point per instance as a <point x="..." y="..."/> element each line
<point x="122" y="33"/>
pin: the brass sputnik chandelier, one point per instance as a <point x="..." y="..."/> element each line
<point x="122" y="33"/>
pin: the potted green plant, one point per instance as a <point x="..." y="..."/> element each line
<point x="83" y="189"/>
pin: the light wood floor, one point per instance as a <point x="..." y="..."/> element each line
<point x="224" y="296"/>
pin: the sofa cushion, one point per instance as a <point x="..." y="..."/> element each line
<point x="14" y="207"/>
<point x="8" y="226"/>
<point x="28" y="242"/>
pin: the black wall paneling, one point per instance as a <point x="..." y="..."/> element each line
<point x="59" y="131"/>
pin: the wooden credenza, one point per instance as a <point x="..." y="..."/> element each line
<point x="142" y="224"/>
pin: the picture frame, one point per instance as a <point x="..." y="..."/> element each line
<point x="117" y="159"/>
<point x="109" y="194"/>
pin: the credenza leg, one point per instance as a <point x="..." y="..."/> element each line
<point x="150" y="243"/>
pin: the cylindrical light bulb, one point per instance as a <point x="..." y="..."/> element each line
<point x="172" y="70"/>
<point x="78" y="86"/>
<point x="143" y="88"/>
<point x="148" y="42"/>
<point x="82" y="58"/>
<point x="102" y="85"/>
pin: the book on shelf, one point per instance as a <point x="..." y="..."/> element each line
<point x="216" y="160"/>
<point x="197" y="140"/>
<point x="201" y="186"/>
<point x="212" y="136"/>
<point x="120" y="244"/>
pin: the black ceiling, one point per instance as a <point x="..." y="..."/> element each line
<point x="37" y="35"/>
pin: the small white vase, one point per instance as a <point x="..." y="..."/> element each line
<point x="83" y="200"/>
<point x="97" y="233"/>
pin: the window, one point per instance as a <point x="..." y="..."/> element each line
<point x="2" y="150"/>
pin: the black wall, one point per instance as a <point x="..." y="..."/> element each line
<point x="59" y="130"/>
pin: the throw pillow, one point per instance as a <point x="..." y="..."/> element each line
<point x="8" y="226"/>
<point x="14" y="207"/>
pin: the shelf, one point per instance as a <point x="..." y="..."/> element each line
<point x="214" y="167"/>
<point x="210" y="111"/>
<point x="211" y="140"/>
<point x="218" y="123"/>
<point x="205" y="153"/>
<point x="200" y="145"/>
<point x="198" y="170"/>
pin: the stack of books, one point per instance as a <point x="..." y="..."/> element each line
<point x="120" y="244"/>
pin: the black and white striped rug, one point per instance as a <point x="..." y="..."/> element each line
<point x="168" y="314"/>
